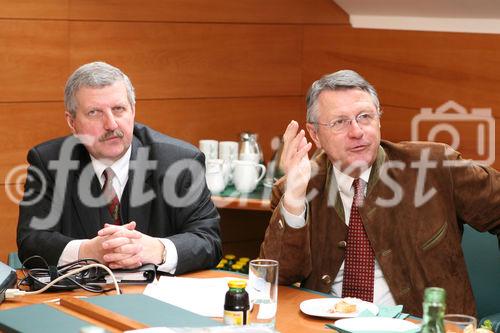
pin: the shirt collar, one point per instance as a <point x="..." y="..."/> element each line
<point x="345" y="181"/>
<point x="120" y="167"/>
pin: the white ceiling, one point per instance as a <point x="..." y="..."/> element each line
<point x="479" y="16"/>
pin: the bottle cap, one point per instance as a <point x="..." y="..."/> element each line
<point x="237" y="284"/>
<point x="435" y="295"/>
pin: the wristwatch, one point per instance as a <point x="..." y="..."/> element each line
<point x="163" y="256"/>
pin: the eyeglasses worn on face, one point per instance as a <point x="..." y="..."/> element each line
<point x="341" y="124"/>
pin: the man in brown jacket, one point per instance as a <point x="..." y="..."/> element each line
<point x="417" y="196"/>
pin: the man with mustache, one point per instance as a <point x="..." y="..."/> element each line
<point x="373" y="219"/>
<point x="122" y="193"/>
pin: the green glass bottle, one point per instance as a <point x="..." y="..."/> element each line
<point x="434" y="307"/>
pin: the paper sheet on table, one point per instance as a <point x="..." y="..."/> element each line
<point x="202" y="296"/>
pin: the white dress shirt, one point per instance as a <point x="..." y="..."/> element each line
<point x="381" y="292"/>
<point x="121" y="169"/>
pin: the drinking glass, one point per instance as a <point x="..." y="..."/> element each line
<point x="458" y="323"/>
<point x="263" y="291"/>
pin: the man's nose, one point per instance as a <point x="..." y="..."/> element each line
<point x="354" y="130"/>
<point x="109" y="121"/>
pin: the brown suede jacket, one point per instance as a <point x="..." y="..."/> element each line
<point x="417" y="242"/>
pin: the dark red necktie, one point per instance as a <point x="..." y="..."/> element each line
<point x="111" y="197"/>
<point x="359" y="267"/>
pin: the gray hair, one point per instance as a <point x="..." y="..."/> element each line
<point x="94" y="75"/>
<point x="340" y="80"/>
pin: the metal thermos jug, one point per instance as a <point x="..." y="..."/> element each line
<point x="250" y="148"/>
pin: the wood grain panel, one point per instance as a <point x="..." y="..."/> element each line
<point x="8" y="227"/>
<point x="396" y="126"/>
<point x="26" y="124"/>
<point x="34" y="9"/>
<point x="33" y="58"/>
<point x="23" y="126"/>
<point x="253" y="11"/>
<point x="222" y="119"/>
<point x="195" y="60"/>
<point x="409" y="68"/>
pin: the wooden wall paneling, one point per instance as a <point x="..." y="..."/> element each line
<point x="33" y="58"/>
<point x="222" y="119"/>
<point x="8" y="226"/>
<point x="396" y="126"/>
<point x="249" y="11"/>
<point x="410" y="68"/>
<point x="25" y="125"/>
<point x="34" y="9"/>
<point x="28" y="124"/>
<point x="166" y="60"/>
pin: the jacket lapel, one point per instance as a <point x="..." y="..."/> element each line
<point x="331" y="187"/>
<point x="325" y="182"/>
<point x="138" y="213"/>
<point x="376" y="169"/>
<point x="88" y="217"/>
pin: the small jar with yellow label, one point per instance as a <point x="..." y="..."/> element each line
<point x="237" y="304"/>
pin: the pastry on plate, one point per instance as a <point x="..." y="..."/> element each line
<point x="343" y="306"/>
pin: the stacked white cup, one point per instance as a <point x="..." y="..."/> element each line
<point x="214" y="167"/>
<point x="228" y="152"/>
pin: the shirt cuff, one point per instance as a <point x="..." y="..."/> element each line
<point x="170" y="264"/>
<point x="294" y="221"/>
<point x="70" y="252"/>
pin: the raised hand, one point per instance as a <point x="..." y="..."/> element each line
<point x="297" y="167"/>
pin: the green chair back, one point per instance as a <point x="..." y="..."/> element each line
<point x="482" y="255"/>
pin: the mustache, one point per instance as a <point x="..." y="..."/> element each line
<point x="110" y="134"/>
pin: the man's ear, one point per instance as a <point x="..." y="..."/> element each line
<point x="71" y="121"/>
<point x="313" y="133"/>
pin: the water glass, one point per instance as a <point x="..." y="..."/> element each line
<point x="458" y="323"/>
<point x="263" y="291"/>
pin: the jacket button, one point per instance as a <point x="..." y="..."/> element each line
<point x="280" y="224"/>
<point x="342" y="244"/>
<point x="326" y="279"/>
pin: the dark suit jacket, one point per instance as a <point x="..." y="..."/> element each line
<point x="193" y="228"/>
<point x="416" y="247"/>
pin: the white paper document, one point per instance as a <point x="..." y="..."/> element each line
<point x="202" y="296"/>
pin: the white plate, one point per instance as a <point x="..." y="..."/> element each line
<point x="378" y="324"/>
<point x="320" y="307"/>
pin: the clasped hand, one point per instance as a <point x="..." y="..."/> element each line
<point x="122" y="247"/>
